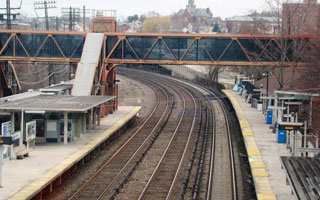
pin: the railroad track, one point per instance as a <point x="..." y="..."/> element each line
<point x="216" y="161"/>
<point x="176" y="155"/>
<point x="161" y="183"/>
<point x="99" y="184"/>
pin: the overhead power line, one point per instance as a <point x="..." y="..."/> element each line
<point x="45" y="5"/>
<point x="8" y="16"/>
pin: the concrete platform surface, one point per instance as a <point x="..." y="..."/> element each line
<point x="266" y="143"/>
<point x="22" y="177"/>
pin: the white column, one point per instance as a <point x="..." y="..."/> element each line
<point x="84" y="123"/>
<point x="99" y="115"/>
<point x="78" y="125"/>
<point x="90" y="120"/>
<point x="94" y="115"/>
<point x="65" y="128"/>
<point x="12" y="122"/>
<point x="1" y="164"/>
<point x="21" y="128"/>
<point x="12" y="131"/>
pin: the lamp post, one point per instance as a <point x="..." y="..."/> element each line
<point x="267" y="88"/>
<point x="266" y="74"/>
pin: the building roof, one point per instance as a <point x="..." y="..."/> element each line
<point x="247" y="18"/>
<point x="54" y="103"/>
<point x="195" y="12"/>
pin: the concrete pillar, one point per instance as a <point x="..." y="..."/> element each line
<point x="75" y="121"/>
<point x="99" y="115"/>
<point x="73" y="128"/>
<point x="78" y="124"/>
<point x="94" y="115"/>
<point x="65" y="114"/>
<point x="21" y="129"/>
<point x="84" y="123"/>
<point x="12" y="122"/>
<point x="90" y="120"/>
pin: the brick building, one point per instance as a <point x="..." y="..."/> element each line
<point x="252" y="24"/>
<point x="192" y="16"/>
<point x="301" y="18"/>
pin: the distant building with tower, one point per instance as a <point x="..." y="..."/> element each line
<point x="192" y="17"/>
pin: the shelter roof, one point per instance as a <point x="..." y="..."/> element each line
<point x="54" y="103"/>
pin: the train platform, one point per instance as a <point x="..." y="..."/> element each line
<point x="46" y="163"/>
<point x="263" y="150"/>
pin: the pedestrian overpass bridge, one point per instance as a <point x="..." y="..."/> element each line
<point x="149" y="48"/>
<point x="97" y="54"/>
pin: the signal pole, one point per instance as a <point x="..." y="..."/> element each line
<point x="84" y="12"/>
<point x="84" y="18"/>
<point x="45" y="5"/>
<point x="71" y="15"/>
<point x="9" y="14"/>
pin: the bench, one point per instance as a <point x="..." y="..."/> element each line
<point x="21" y="152"/>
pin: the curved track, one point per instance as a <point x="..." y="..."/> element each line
<point x="102" y="180"/>
<point x="183" y="151"/>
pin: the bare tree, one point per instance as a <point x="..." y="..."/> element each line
<point x="291" y="20"/>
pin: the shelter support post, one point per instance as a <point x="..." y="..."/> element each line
<point x="12" y="122"/>
<point x="99" y="115"/>
<point x="84" y="123"/>
<point x="21" y="129"/>
<point x="90" y="120"/>
<point x="65" y="138"/>
<point x="94" y="115"/>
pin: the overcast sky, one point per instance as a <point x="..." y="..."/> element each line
<point x="222" y="8"/>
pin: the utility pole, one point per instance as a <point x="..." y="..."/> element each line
<point x="84" y="18"/>
<point x="70" y="19"/>
<point x="71" y="15"/>
<point x="9" y="14"/>
<point x="57" y="23"/>
<point x="84" y="12"/>
<point x="45" y="5"/>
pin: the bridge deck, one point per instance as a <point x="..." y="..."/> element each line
<point x="150" y="48"/>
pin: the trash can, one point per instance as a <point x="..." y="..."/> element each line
<point x="239" y="87"/>
<point x="269" y="116"/>
<point x="282" y="136"/>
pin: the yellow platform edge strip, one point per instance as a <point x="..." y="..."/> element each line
<point x="260" y="178"/>
<point x="37" y="185"/>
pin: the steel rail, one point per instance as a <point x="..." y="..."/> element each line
<point x="186" y="146"/>
<point x="165" y="152"/>
<point x="233" y="170"/>
<point x="210" y="175"/>
<point x="196" y="186"/>
<point x="137" y="151"/>
<point x="84" y="186"/>
<point x="233" y="173"/>
<point x="168" y="147"/>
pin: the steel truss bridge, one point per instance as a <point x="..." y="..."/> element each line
<point x="143" y="48"/>
<point x="175" y="49"/>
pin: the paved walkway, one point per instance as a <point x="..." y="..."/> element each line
<point x="270" y="150"/>
<point x="18" y="174"/>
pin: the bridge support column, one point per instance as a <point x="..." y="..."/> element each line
<point x="109" y="88"/>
